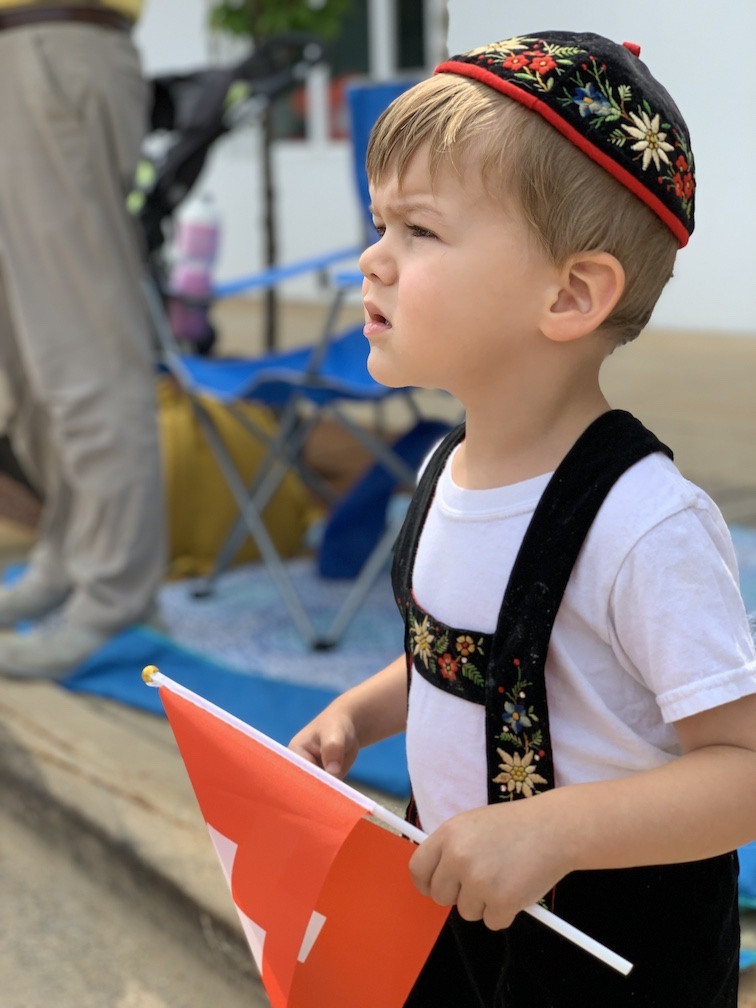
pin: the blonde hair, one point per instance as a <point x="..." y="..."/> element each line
<point x="571" y="204"/>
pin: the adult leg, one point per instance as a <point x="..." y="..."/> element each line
<point x="44" y="585"/>
<point x="84" y="345"/>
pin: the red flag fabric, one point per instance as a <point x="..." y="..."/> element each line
<point x="324" y="893"/>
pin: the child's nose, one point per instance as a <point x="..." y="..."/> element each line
<point x="366" y="260"/>
<point x="376" y="264"/>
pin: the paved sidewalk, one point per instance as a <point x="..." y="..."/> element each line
<point x="115" y="772"/>
<point x="91" y="769"/>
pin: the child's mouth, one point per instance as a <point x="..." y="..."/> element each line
<point x="376" y="323"/>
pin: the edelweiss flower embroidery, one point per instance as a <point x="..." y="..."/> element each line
<point x="518" y="774"/>
<point x="503" y="48"/>
<point x="650" y="140"/>
<point x="423" y="639"/>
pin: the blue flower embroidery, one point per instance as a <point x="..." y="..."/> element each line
<point x="516" y="717"/>
<point x="591" y="101"/>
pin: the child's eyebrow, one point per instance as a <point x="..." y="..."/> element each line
<point x="399" y="207"/>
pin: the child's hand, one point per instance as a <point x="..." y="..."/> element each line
<point x="329" y="741"/>
<point x="371" y="711"/>
<point x="492" y="862"/>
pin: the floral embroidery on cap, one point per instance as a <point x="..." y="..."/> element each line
<point x="602" y="92"/>
<point x="590" y="101"/>
<point x="651" y="140"/>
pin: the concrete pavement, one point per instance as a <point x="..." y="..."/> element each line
<point x="77" y="932"/>
<point x="100" y="776"/>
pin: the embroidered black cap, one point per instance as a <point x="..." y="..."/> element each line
<point x="604" y="99"/>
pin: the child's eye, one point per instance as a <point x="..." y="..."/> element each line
<point x="380" y="229"/>
<point x="420" y="232"/>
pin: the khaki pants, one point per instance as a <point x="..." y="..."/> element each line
<point x="77" y="386"/>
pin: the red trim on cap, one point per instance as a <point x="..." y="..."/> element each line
<point x="530" y="101"/>
<point x="632" y="47"/>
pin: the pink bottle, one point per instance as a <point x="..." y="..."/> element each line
<point x="198" y="230"/>
<point x="191" y="289"/>
<point x="190" y="283"/>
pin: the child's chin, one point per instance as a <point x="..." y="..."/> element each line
<point x="383" y="373"/>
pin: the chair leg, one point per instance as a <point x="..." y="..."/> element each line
<point x="251" y="508"/>
<point x="360" y="588"/>
<point x="257" y="529"/>
<point x="379" y="449"/>
<point x="284" y="452"/>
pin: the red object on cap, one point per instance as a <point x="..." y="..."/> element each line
<point x="633" y="47"/>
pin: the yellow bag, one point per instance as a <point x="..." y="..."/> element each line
<point x="201" y="509"/>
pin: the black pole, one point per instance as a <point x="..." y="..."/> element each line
<point x="271" y="251"/>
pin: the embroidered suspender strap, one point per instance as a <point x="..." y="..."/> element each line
<point x="518" y="743"/>
<point x="405" y="549"/>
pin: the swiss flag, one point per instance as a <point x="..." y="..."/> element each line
<point x="324" y="893"/>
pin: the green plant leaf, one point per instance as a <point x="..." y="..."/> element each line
<point x="259" y="19"/>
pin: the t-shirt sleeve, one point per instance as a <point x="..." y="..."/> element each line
<point x="677" y="615"/>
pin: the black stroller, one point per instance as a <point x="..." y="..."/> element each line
<point x="189" y="113"/>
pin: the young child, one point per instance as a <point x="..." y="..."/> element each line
<point x="530" y="199"/>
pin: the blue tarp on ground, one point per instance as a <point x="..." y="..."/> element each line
<point x="277" y="708"/>
<point x="747" y="876"/>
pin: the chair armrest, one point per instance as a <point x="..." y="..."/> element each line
<point x="276" y="274"/>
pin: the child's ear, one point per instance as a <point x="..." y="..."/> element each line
<point x="591" y="284"/>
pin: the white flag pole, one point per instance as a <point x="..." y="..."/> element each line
<point x="540" y="913"/>
<point x="153" y="677"/>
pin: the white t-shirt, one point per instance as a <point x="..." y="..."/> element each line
<point x="651" y="629"/>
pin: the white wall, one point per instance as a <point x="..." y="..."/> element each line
<point x="171" y="35"/>
<point x="714" y="286"/>
<point x="315" y="209"/>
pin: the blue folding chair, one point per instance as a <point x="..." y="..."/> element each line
<point x="305" y="385"/>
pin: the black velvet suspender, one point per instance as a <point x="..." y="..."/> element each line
<point x="518" y="744"/>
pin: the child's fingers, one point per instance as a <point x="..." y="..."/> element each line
<point x="423" y="864"/>
<point x="310" y="752"/>
<point x="329" y="741"/>
<point x="332" y="755"/>
<point x="471" y="907"/>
